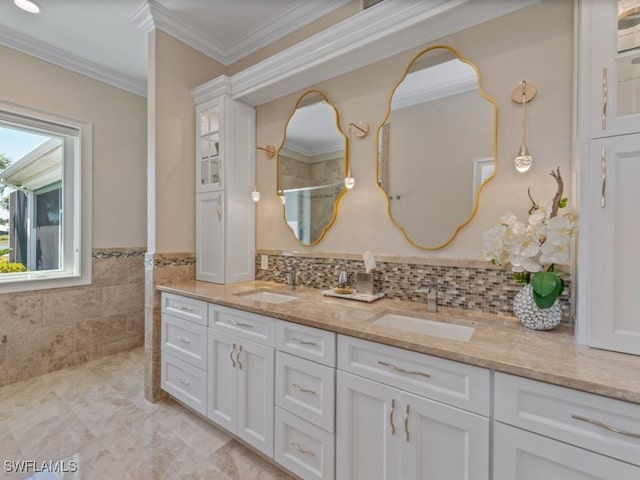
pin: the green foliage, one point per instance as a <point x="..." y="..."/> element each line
<point x="563" y="202"/>
<point x="5" y="251"/>
<point x="11" y="267"/>
<point x="522" y="277"/>
<point x="546" y="288"/>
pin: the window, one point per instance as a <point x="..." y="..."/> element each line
<point x="45" y="185"/>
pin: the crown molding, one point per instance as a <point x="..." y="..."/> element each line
<point x="150" y="14"/>
<point x="279" y="26"/>
<point x="213" y="88"/>
<point x="394" y="26"/>
<point x="43" y="51"/>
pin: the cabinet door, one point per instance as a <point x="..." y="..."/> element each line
<point x="368" y="429"/>
<point x="210" y="253"/>
<point x="255" y="372"/>
<point x="208" y="147"/>
<point x="613" y="240"/>
<point x="614" y="77"/>
<point x="441" y="442"/>
<point x="221" y="379"/>
<point x="521" y="455"/>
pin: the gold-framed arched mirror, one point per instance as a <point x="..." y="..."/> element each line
<point x="313" y="161"/>
<point x="436" y="147"/>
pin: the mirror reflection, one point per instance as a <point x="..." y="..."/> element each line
<point x="436" y="147"/>
<point x="312" y="164"/>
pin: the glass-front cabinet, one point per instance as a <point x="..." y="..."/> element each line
<point x="615" y="66"/>
<point x="209" y="153"/>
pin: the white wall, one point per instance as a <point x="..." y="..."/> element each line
<point x="533" y="44"/>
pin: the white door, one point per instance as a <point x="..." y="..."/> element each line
<point x="255" y="371"/>
<point x="221" y="379"/>
<point x="210" y="237"/>
<point x="521" y="455"/>
<point x="442" y="442"/>
<point x="613" y="244"/>
<point x="369" y="429"/>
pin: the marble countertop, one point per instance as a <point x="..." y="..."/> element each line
<point x="498" y="343"/>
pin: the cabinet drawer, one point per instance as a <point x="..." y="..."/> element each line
<point x="303" y="448"/>
<point x="580" y="418"/>
<point x="307" y="342"/>
<point x="453" y="383"/>
<point x="521" y="455"/>
<point x="185" y="307"/>
<point x="306" y="389"/>
<point x="247" y="325"/>
<point x="184" y="382"/>
<point x="184" y="340"/>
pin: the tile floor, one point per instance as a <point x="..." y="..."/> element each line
<point x="95" y="416"/>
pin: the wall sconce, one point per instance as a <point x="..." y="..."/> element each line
<point x="360" y="129"/>
<point x="522" y="94"/>
<point x="270" y="152"/>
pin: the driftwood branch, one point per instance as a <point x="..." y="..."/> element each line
<point x="534" y="205"/>
<point x="558" y="196"/>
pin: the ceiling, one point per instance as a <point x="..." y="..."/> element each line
<point x="107" y="40"/>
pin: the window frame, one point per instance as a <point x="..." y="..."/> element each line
<point x="76" y="198"/>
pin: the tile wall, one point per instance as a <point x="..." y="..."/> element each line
<point x="466" y="284"/>
<point x="46" y="330"/>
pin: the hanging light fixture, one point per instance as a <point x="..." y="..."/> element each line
<point x="27" y="6"/>
<point x="270" y="152"/>
<point x="349" y="181"/>
<point x="523" y="93"/>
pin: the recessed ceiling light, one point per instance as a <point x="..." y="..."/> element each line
<point x="27" y="6"/>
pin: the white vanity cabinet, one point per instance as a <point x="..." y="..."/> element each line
<point x="547" y="432"/>
<point x="387" y="431"/>
<point x="240" y="376"/>
<point x="608" y="314"/>
<point x="225" y="212"/>
<point x="184" y="351"/>
<point x="305" y="400"/>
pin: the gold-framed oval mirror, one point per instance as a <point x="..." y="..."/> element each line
<point x="437" y="147"/>
<point x="312" y="163"/>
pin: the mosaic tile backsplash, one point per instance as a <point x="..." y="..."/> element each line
<point x="466" y="286"/>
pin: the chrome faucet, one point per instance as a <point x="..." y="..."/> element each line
<point x="290" y="275"/>
<point x="431" y="289"/>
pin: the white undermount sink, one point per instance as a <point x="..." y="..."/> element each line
<point x="451" y="331"/>
<point x="268" y="297"/>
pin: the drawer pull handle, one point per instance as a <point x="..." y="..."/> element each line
<point x="406" y="423"/>
<point x="603" y="167"/>
<point x="302" y="389"/>
<point x="605" y="426"/>
<point x="184" y="339"/>
<point x="238" y="357"/>
<point x="233" y="349"/>
<point x="183" y="380"/>
<point x="402" y="370"/>
<point x="303" y="342"/>
<point x="393" y="408"/>
<point x="182" y="307"/>
<point x="238" y="324"/>
<point x="605" y="95"/>
<point x="303" y="450"/>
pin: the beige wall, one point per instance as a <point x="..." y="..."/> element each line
<point x="175" y="69"/>
<point x="119" y="139"/>
<point x="533" y="44"/>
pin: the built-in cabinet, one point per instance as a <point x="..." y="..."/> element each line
<point x="387" y="432"/>
<point x="328" y="406"/>
<point x="609" y="142"/>
<point x="546" y="432"/>
<point x="240" y="377"/>
<point x="225" y="212"/>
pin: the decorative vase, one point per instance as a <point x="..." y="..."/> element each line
<point x="532" y="316"/>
